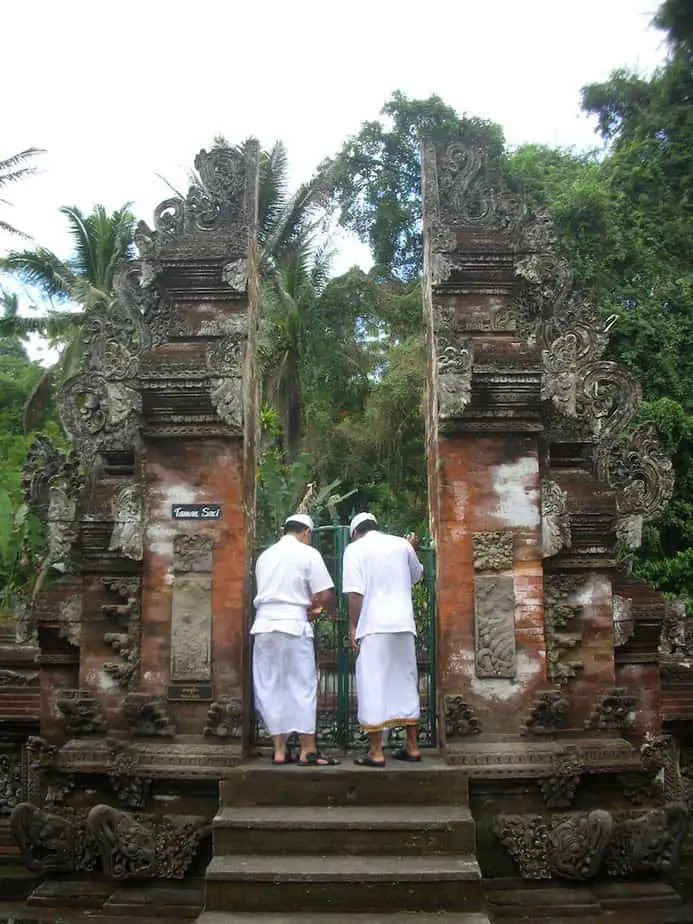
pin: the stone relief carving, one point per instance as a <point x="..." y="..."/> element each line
<point x="45" y="782"/>
<point x="99" y="415"/>
<point x="559" y="610"/>
<point x="644" y="475"/>
<point x="113" y="338"/>
<point x="493" y="551"/>
<point x="647" y="842"/>
<point x="83" y="712"/>
<point x="10" y="678"/>
<point x="147" y="715"/>
<point x="494" y="626"/>
<point x="549" y="714"/>
<point x="624" y="626"/>
<point x="128" y="528"/>
<point x="676" y="635"/>
<point x="225" y="363"/>
<point x="464" y="190"/>
<point x="555" y="519"/>
<point x="70" y="617"/>
<point x="192" y="552"/>
<point x="571" y="846"/>
<point x="614" y="711"/>
<point x="12" y="782"/>
<point x="127" y="848"/>
<point x="225" y="719"/>
<point x="460" y="721"/>
<point x="558" y="789"/>
<point x="43" y="463"/>
<point x="235" y="275"/>
<point x="126" y="643"/>
<point x="130" y="787"/>
<point x="55" y="841"/>
<point x="214" y="217"/>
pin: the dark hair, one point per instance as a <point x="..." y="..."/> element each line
<point x="294" y="526"/>
<point x="366" y="527"/>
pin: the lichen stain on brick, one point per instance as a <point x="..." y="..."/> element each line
<point x="515" y="484"/>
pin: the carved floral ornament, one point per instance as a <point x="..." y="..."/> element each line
<point x="127" y="846"/>
<point x="218" y="202"/>
<point x="579" y="845"/>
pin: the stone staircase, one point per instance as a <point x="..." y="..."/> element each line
<point x="292" y="843"/>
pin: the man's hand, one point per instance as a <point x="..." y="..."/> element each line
<point x="314" y="613"/>
<point x="352" y="639"/>
<point x="413" y="540"/>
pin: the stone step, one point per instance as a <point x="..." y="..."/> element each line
<point x="355" y="830"/>
<point x="421" y="917"/>
<point x="354" y="884"/>
<point x="432" y="782"/>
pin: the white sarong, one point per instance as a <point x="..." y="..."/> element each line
<point x="386" y="681"/>
<point x="285" y="682"/>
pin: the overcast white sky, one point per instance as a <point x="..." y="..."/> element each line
<point x="119" y="92"/>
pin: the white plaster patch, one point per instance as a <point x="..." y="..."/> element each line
<point x="152" y="676"/>
<point x="597" y="589"/>
<point x="517" y="505"/>
<point x="500" y="690"/>
<point x="161" y="526"/>
<point x="105" y="682"/>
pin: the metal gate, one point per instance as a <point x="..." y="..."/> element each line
<point x="337" y="724"/>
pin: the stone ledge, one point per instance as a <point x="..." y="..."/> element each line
<point x="156" y="759"/>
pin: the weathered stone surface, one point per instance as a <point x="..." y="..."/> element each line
<point x="493" y="551"/>
<point x="494" y="623"/>
<point x="192" y="553"/>
<point x="191" y="628"/>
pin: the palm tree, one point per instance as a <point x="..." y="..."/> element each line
<point x="102" y="242"/>
<point x="294" y="264"/>
<point x="12" y="170"/>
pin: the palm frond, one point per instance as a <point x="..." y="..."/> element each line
<point x="42" y="269"/>
<point x="13" y="168"/>
<point x="272" y="189"/>
<point x="10" y="229"/>
<point x="39" y="399"/>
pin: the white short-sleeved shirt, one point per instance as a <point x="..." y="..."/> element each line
<point x="382" y="568"/>
<point x="287" y="575"/>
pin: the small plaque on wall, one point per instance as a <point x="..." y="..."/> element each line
<point x="196" y="511"/>
<point x="190" y="692"/>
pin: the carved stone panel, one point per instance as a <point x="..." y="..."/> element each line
<point x="192" y="553"/>
<point x="494" y="626"/>
<point x="225" y="719"/>
<point x="493" y="551"/>
<point x="191" y="628"/>
<point x="555" y="519"/>
<point x="128" y="529"/>
<point x="460" y="721"/>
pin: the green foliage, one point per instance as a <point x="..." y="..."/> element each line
<point x="376" y="177"/>
<point x="21" y="544"/>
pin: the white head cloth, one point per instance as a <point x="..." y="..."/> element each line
<point x="300" y="518"/>
<point x="359" y="519"/>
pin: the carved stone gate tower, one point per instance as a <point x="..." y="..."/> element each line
<point x="142" y="644"/>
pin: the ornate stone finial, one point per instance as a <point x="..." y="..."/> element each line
<point x="214" y="221"/>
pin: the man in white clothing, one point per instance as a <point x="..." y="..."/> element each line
<point x="378" y="574"/>
<point x="293" y="585"/>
